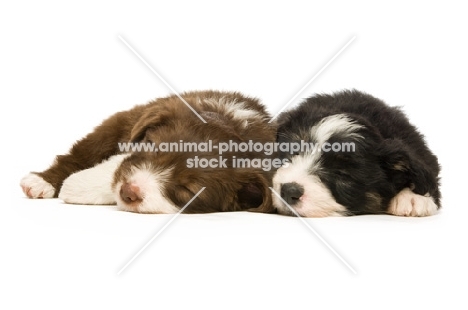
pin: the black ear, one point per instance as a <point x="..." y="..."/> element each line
<point x="255" y="195"/>
<point x="405" y="169"/>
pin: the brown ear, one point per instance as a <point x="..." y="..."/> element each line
<point x="255" y="194"/>
<point x="152" y="118"/>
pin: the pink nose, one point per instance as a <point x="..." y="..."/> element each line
<point x="130" y="193"/>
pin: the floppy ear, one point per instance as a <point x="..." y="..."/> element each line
<point x="152" y="118"/>
<point x="279" y="121"/>
<point x="404" y="168"/>
<point x="255" y="194"/>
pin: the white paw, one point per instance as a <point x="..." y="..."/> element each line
<point x="35" y="187"/>
<point x="79" y="188"/>
<point x="407" y="203"/>
<point x="92" y="186"/>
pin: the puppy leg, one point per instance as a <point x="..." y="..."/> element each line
<point x="407" y="203"/>
<point x="87" y="152"/>
<point x="92" y="186"/>
<point x="407" y="170"/>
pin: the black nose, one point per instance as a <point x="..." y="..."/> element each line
<point x="291" y="192"/>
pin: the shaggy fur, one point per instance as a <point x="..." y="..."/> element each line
<point x="391" y="170"/>
<point x="158" y="182"/>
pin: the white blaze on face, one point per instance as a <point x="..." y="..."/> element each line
<point x="151" y="184"/>
<point x="317" y="200"/>
<point x="334" y="124"/>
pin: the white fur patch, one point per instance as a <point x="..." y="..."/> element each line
<point x="339" y="123"/>
<point x="407" y="203"/>
<point x="35" y="187"/>
<point x="242" y="114"/>
<point x="151" y="185"/>
<point x="92" y="186"/>
<point x="317" y="200"/>
<point x="236" y="109"/>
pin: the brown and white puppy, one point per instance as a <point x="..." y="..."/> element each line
<point x="96" y="172"/>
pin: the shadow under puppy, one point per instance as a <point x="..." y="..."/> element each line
<point x="366" y="159"/>
<point x="93" y="172"/>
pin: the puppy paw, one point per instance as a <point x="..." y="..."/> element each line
<point x="35" y="187"/>
<point x="92" y="186"/>
<point x="81" y="188"/>
<point x="407" y="203"/>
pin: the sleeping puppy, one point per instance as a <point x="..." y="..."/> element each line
<point x="366" y="159"/>
<point x="95" y="171"/>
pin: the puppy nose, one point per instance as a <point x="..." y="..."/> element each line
<point x="291" y="192"/>
<point x="130" y="193"/>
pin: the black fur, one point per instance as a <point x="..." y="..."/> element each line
<point x="392" y="156"/>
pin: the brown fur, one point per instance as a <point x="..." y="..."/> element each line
<point x="169" y="120"/>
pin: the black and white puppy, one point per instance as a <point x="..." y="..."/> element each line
<point x="366" y="159"/>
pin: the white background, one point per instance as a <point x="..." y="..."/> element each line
<point x="63" y="69"/>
